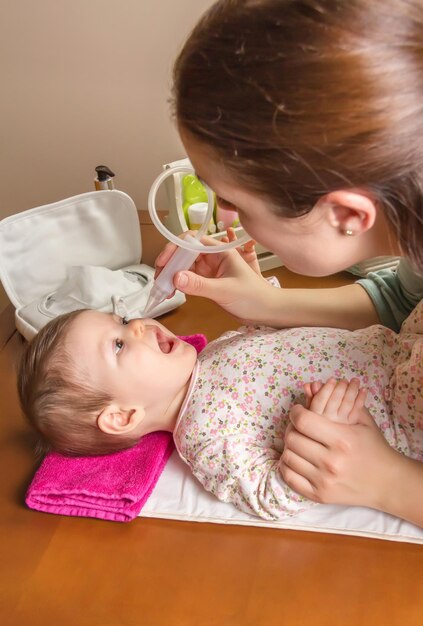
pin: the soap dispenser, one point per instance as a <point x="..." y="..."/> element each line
<point x="104" y="178"/>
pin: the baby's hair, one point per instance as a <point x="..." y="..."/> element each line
<point x="58" y="401"/>
<point x="302" y="97"/>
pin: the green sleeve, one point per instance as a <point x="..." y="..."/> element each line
<point x="394" y="292"/>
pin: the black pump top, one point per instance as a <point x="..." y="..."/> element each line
<point x="103" y="172"/>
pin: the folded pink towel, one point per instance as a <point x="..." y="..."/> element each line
<point x="112" y="487"/>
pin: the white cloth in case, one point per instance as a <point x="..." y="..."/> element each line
<point x="92" y="287"/>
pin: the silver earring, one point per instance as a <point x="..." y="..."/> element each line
<point x="348" y="232"/>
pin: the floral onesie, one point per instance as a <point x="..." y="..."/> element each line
<point x="231" y="427"/>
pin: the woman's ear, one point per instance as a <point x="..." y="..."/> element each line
<point x="352" y="212"/>
<point x="117" y="421"/>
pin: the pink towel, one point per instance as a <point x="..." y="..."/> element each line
<point x="112" y="487"/>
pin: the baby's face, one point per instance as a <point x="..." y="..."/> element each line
<point x="138" y="363"/>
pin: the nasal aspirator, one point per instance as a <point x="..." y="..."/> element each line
<point x="189" y="248"/>
<point x="163" y="285"/>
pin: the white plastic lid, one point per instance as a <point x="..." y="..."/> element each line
<point x="197" y="212"/>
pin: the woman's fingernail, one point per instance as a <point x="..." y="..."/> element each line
<point x="182" y="280"/>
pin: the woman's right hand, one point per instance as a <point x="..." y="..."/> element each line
<point x="226" y="278"/>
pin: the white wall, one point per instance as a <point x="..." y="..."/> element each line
<point x="85" y="82"/>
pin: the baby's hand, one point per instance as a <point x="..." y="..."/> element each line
<point x="310" y="390"/>
<point x="340" y="401"/>
<point x="247" y="251"/>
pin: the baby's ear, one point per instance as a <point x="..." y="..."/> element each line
<point x="118" y="421"/>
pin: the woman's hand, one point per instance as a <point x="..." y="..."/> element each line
<point x="227" y="278"/>
<point x="247" y="251"/>
<point x="348" y="462"/>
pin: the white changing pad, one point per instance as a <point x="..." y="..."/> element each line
<point x="179" y="496"/>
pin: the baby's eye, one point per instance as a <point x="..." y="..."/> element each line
<point x="118" y="345"/>
<point x="124" y="320"/>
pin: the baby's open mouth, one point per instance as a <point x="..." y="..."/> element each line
<point x="166" y="344"/>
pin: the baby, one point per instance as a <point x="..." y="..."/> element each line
<point x="93" y="383"/>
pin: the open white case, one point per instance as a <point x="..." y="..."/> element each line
<point x="73" y="254"/>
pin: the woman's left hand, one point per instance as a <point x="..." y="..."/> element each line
<point x="247" y="251"/>
<point x="344" y="463"/>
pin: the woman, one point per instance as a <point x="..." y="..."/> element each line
<point x="307" y="118"/>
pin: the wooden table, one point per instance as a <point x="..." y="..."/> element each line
<point x="73" y="572"/>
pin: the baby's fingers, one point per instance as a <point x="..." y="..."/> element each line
<point x="316" y="385"/>
<point x="322" y="396"/>
<point x="310" y="389"/>
<point x="308" y="395"/>
<point x="348" y="395"/>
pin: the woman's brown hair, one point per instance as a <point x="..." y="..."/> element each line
<point x="57" y="399"/>
<point x="302" y="97"/>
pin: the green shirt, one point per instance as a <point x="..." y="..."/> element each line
<point x="394" y="292"/>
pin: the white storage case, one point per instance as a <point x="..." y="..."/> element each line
<point x="74" y="254"/>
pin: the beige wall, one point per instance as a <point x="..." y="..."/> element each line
<point x="86" y="82"/>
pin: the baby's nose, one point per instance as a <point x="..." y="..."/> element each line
<point x="137" y="327"/>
